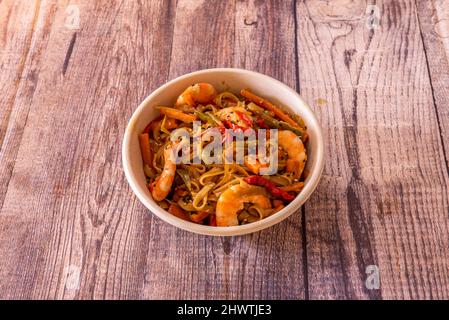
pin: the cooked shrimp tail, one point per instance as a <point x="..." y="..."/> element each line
<point x="164" y="182"/>
<point x="296" y="152"/>
<point x="232" y="201"/>
<point x="197" y="93"/>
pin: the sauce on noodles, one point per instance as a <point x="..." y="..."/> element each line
<point x="207" y="188"/>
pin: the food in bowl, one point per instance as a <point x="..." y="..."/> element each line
<point x="223" y="159"/>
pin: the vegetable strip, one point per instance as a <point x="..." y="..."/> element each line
<point x="147" y="155"/>
<point x="271" y="107"/>
<point x="178" y="212"/>
<point x="205" y="117"/>
<point x="176" y="114"/>
<point x="271" y="122"/>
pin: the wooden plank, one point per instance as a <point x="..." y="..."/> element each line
<point x="383" y="199"/>
<point x="20" y="41"/>
<point x="253" y="35"/>
<point x="433" y="17"/>
<point x="70" y="226"/>
<point x="66" y="209"/>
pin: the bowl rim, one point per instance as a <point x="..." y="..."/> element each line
<point x="292" y="207"/>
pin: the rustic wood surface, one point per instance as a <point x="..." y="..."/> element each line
<point x="70" y="227"/>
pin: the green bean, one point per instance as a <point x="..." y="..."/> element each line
<point x="215" y="118"/>
<point x="254" y="108"/>
<point x="286" y="126"/>
<point x="264" y="115"/>
<point x="204" y="117"/>
<point x="185" y="177"/>
<point x="272" y="122"/>
<point x="299" y="121"/>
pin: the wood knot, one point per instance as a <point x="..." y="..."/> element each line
<point x="227" y="246"/>
<point x="250" y="22"/>
<point x="347" y="54"/>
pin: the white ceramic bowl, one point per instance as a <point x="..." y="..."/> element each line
<point x="233" y="80"/>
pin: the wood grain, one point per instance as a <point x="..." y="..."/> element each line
<point x="265" y="265"/>
<point x="70" y="227"/>
<point x="68" y="208"/>
<point x="20" y="41"/>
<point x="433" y="17"/>
<point x="383" y="199"/>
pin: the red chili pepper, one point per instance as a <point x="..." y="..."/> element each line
<point x="245" y="118"/>
<point x="235" y="127"/>
<point x="232" y="126"/>
<point x="222" y="129"/>
<point x="261" y="123"/>
<point x="227" y="124"/>
<point x="270" y="186"/>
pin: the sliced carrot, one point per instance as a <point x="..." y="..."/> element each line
<point x="147" y="155"/>
<point x="294" y="187"/>
<point x="178" y="212"/>
<point x="176" y="114"/>
<point x="200" y="216"/>
<point x="271" y="107"/>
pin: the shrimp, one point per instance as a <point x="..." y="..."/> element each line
<point x="233" y="199"/>
<point x="197" y="93"/>
<point x="292" y="144"/>
<point x="162" y="186"/>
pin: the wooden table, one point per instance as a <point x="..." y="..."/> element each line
<point x="375" y="72"/>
